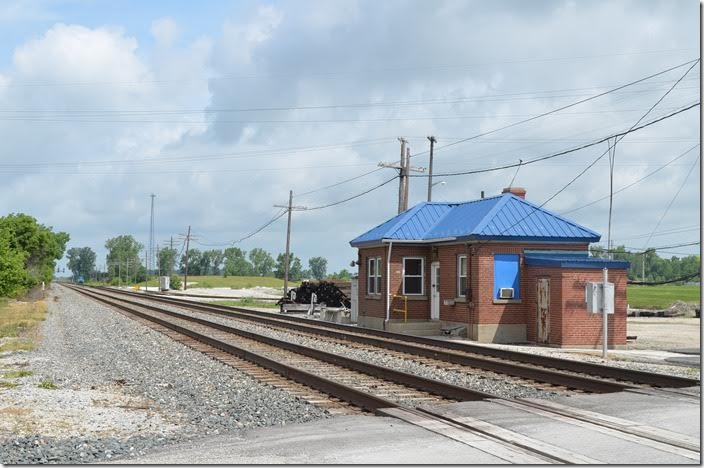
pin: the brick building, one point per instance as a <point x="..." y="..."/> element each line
<point x="500" y="269"/>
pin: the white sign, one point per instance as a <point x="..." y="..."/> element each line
<point x="593" y="292"/>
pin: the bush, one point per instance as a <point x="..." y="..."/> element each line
<point x="175" y="282"/>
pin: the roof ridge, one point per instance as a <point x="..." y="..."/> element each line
<point x="533" y="205"/>
<point x="406" y="215"/>
<point x="489" y="215"/>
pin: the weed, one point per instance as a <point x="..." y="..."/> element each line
<point x="47" y="384"/>
<point x="6" y="384"/>
<point x="17" y="345"/>
<point x="17" y="374"/>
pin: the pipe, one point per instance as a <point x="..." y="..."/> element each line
<point x="388" y="284"/>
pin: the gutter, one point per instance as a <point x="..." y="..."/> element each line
<point x="426" y="241"/>
<point x="388" y="284"/>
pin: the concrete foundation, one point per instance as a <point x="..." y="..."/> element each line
<point x="498" y="333"/>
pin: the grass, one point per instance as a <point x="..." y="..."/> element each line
<point x="19" y="317"/>
<point x="5" y="384"/>
<point x="663" y="296"/>
<point x="48" y="385"/>
<point x="248" y="302"/>
<point x="233" y="282"/>
<point x="17" y="374"/>
<point x="17" y="345"/>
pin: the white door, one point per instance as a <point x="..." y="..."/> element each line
<point x="435" y="291"/>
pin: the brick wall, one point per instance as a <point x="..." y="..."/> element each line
<point x="418" y="306"/>
<point x="569" y="322"/>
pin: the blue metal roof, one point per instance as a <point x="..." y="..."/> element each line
<point x="571" y="260"/>
<point x="504" y="217"/>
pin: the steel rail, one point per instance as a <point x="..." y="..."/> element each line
<point x="569" y="365"/>
<point x="421" y="383"/>
<point x="397" y="343"/>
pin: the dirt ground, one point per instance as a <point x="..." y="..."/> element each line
<point x="663" y="333"/>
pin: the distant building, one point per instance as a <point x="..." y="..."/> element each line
<point x="501" y="268"/>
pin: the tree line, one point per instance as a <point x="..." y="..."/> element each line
<point x="28" y="253"/>
<point x="124" y="265"/>
<point x="648" y="266"/>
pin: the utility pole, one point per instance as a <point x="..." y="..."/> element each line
<point x="185" y="275"/>
<point x="289" y="208"/>
<point x="171" y="246"/>
<point x="150" y="250"/>
<point x="430" y="168"/>
<point x="404" y="168"/>
<point x="605" y="317"/>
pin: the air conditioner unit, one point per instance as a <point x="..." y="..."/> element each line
<point x="506" y="293"/>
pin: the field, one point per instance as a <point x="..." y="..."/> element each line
<point x="233" y="282"/>
<point x="661" y="297"/>
<point x="18" y="322"/>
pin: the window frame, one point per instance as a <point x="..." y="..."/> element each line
<point x="421" y="276"/>
<point x="375" y="278"/>
<point x="460" y="292"/>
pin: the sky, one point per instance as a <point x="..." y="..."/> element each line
<point x="219" y="108"/>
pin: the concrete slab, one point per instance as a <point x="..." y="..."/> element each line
<point x="341" y="440"/>
<point x="583" y="440"/>
<point x="673" y="415"/>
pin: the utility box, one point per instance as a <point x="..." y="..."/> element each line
<point x="164" y="283"/>
<point x="593" y="292"/>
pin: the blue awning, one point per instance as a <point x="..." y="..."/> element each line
<point x="567" y="259"/>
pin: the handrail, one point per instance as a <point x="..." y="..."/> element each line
<point x="405" y="307"/>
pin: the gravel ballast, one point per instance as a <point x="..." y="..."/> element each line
<point x="122" y="389"/>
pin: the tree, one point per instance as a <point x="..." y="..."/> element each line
<point x="262" y="262"/>
<point x="81" y="261"/>
<point x="39" y="246"/>
<point x="343" y="275"/>
<point x="123" y="258"/>
<point x="195" y="259"/>
<point x="318" y="267"/>
<point x="13" y="276"/>
<point x="212" y="260"/>
<point x="166" y="259"/>
<point x="294" y="269"/>
<point x="236" y="263"/>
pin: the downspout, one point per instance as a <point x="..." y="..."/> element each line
<point x="388" y="284"/>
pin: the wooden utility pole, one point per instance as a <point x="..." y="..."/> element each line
<point x="185" y="272"/>
<point x="430" y="168"/>
<point x="404" y="169"/>
<point x="289" y="208"/>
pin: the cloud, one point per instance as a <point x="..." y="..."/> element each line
<point x="458" y="68"/>
<point x="165" y="31"/>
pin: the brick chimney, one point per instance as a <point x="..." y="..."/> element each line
<point x="517" y="191"/>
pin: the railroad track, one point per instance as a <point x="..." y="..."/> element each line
<point x="544" y="371"/>
<point x="341" y="384"/>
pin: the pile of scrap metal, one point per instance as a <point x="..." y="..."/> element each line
<point x="314" y="296"/>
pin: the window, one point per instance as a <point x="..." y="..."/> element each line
<point x="462" y="276"/>
<point x="374" y="275"/>
<point x="507" y="274"/>
<point x="413" y="276"/>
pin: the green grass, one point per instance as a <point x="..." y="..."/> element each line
<point x="48" y="385"/>
<point x="17" y="374"/>
<point x="19" y="317"/>
<point x="235" y="282"/>
<point x="5" y="384"/>
<point x="248" y="302"/>
<point x="661" y="297"/>
<point x="17" y="345"/>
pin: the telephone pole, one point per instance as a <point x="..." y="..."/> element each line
<point x="289" y="208"/>
<point x="430" y="168"/>
<point x="185" y="272"/>
<point x="150" y="252"/>
<point x="404" y="169"/>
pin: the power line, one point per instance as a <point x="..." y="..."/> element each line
<point x="562" y="153"/>
<point x="339" y="202"/>
<point x="696" y="160"/>
<point x="634" y="182"/>
<point x="655" y="283"/>
<point x="340" y="183"/>
<point x="338" y="73"/>
<point x="489" y="132"/>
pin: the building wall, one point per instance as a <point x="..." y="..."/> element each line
<point x="491" y="320"/>
<point x="375" y="305"/>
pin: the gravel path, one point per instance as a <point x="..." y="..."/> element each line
<point x="123" y="389"/>
<point x="476" y="379"/>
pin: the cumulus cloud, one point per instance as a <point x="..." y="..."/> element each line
<point x="453" y="68"/>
